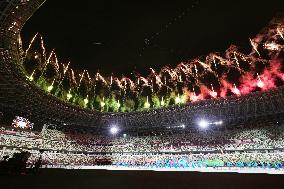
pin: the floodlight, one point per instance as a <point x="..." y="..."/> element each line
<point x="114" y="130"/>
<point x="203" y="124"/>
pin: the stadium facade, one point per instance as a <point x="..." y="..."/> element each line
<point x="23" y="98"/>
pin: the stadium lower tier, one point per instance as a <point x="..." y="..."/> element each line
<point x="252" y="159"/>
<point x="251" y="146"/>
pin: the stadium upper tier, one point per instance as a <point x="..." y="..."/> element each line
<point x="264" y="136"/>
<point x="22" y="97"/>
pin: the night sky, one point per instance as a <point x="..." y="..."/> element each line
<point x="124" y="36"/>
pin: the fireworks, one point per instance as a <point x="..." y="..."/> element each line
<point x="259" y="83"/>
<point x="69" y="96"/>
<point x="213" y="93"/>
<point x="162" y="101"/>
<point x="49" y="88"/>
<point x="147" y="104"/>
<point x="280" y="33"/>
<point x="102" y="103"/>
<point x="86" y="101"/>
<point x="235" y="90"/>
<point x="172" y="84"/>
<point x="22" y="123"/>
<point x="254" y="45"/>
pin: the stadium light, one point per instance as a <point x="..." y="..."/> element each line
<point x="203" y="124"/>
<point x="114" y="130"/>
<point x="217" y="123"/>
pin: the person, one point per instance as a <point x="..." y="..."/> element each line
<point x="4" y="164"/>
<point x="37" y="164"/>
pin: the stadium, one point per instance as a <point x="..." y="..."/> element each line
<point x="175" y="119"/>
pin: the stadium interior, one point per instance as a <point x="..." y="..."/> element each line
<point x="191" y="118"/>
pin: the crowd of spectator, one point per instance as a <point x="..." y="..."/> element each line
<point x="255" y="159"/>
<point x="252" y="158"/>
<point x="244" y="146"/>
<point x="187" y="141"/>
